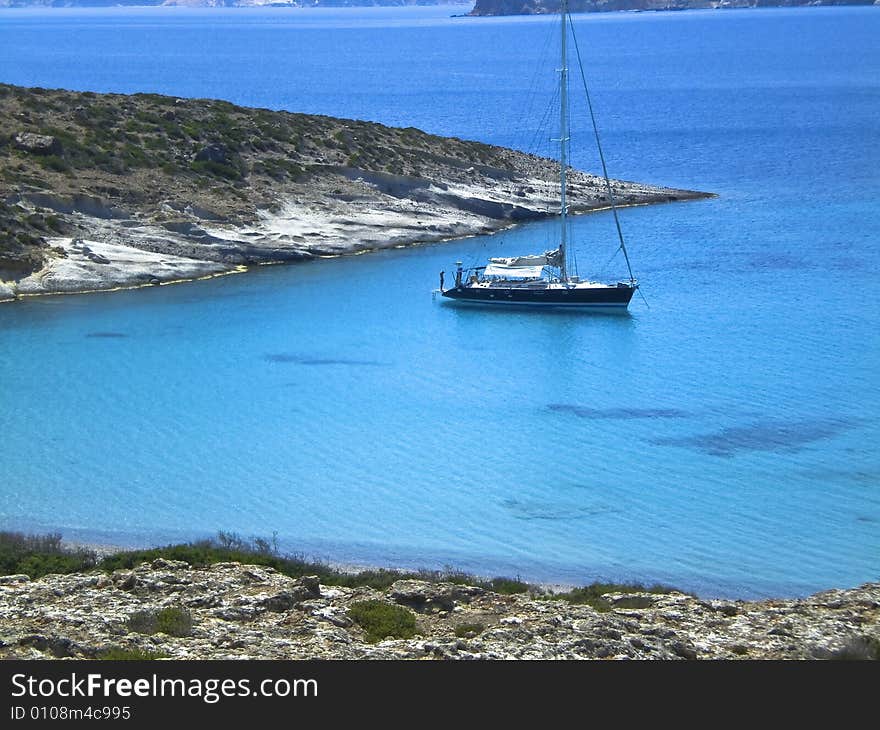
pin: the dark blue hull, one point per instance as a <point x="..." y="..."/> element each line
<point x="613" y="297"/>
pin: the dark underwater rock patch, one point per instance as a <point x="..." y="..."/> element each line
<point x="616" y="413"/>
<point x="293" y="358"/>
<point x="531" y="510"/>
<point x="771" y="435"/>
<point x="107" y="335"/>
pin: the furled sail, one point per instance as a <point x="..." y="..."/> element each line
<point x="548" y="258"/>
<point x="523" y="267"/>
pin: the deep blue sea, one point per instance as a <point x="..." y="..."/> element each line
<point x="724" y="440"/>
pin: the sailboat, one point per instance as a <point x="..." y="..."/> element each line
<point x="546" y="279"/>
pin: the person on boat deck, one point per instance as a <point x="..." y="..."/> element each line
<point x="442" y="274"/>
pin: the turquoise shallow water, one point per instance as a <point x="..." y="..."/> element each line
<point x="723" y="440"/>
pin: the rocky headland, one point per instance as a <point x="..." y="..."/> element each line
<point x="239" y="611"/>
<point x="102" y="191"/>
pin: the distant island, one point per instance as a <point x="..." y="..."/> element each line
<point x="101" y="191"/>
<point x="541" y="7"/>
<point x="481" y="8"/>
<point x="224" y="3"/>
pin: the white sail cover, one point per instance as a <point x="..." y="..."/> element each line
<point x="523" y="267"/>
<point x="548" y="258"/>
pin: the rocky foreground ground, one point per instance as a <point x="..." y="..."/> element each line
<point x="101" y="191"/>
<point x="253" y="612"/>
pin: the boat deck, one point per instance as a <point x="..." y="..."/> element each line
<point x="541" y="284"/>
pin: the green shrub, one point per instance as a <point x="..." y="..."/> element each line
<point x="133" y="154"/>
<point x="229" y="547"/>
<point x="191" y="131"/>
<point x="508" y="586"/>
<point x="147" y="117"/>
<point x="39" y="555"/>
<point x="591" y="595"/>
<point x="54" y="163"/>
<point x="380" y="620"/>
<point x="35" y="220"/>
<point x="218" y="169"/>
<point x="174" y="621"/>
<point x="171" y="620"/>
<point x="469" y="631"/>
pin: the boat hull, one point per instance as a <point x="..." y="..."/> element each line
<point x="612" y="297"/>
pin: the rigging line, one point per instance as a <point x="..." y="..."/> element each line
<point x="601" y="155"/>
<point x="532" y="97"/>
<point x="610" y="259"/>
<point x="542" y="124"/>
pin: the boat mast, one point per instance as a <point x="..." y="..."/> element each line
<point x="563" y="140"/>
<point x="577" y="51"/>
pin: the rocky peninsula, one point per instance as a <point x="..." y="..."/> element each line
<point x="103" y="191"/>
<point x="229" y="610"/>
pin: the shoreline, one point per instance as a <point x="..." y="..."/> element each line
<point x="128" y="287"/>
<point x="13" y="288"/>
<point x="105" y="549"/>
<point x="231" y="598"/>
<point x="471" y="569"/>
<point x="248" y="610"/>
